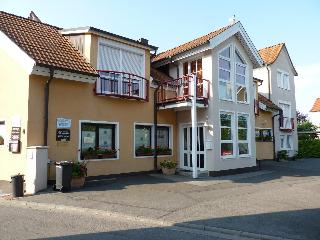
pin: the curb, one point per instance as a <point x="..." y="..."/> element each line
<point x="184" y="227"/>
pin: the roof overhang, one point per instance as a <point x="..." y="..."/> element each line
<point x="62" y="74"/>
<point x="102" y="33"/>
<point x="239" y="31"/>
<point x="291" y="63"/>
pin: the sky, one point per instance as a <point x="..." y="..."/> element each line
<point x="168" y="23"/>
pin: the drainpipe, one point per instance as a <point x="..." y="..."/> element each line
<point x="46" y="107"/>
<point x="273" y="136"/>
<point x="269" y="82"/>
<point x="155" y="124"/>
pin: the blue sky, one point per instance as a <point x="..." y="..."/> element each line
<point x="168" y="23"/>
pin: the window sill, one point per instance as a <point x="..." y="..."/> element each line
<point x="246" y="103"/>
<point x="226" y="100"/>
<point x="228" y="157"/>
<point x="244" y="156"/>
<point x="98" y="159"/>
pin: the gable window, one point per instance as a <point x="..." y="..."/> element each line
<point x="241" y="82"/>
<point x="225" y="82"/>
<point x="98" y="140"/>
<point x="283" y="80"/>
<point x="2" y="132"/>
<point x="243" y="134"/>
<point x="226" y="134"/>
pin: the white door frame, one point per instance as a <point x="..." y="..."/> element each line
<point x="181" y="147"/>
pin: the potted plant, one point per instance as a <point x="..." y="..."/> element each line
<point x="1" y="140"/>
<point x="168" y="167"/>
<point x="282" y="155"/>
<point x="144" y="151"/>
<point x="164" y="151"/>
<point x="79" y="173"/>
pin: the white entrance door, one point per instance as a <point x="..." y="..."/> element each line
<point x="186" y="161"/>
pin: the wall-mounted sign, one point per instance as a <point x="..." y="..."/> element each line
<point x="63" y="123"/>
<point x="63" y="135"/>
<point x="15" y="133"/>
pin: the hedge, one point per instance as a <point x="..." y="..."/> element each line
<point x="309" y="148"/>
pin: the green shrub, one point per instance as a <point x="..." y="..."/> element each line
<point x="309" y="148"/>
<point x="282" y="155"/>
<point x="168" y="164"/>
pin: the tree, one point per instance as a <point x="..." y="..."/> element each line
<point x="301" y="117"/>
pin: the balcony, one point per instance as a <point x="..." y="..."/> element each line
<point x="122" y="85"/>
<point x="178" y="92"/>
<point x="286" y="124"/>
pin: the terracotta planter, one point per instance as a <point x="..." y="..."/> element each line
<point x="168" y="171"/>
<point x="77" y="182"/>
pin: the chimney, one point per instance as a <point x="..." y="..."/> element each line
<point x="144" y="41"/>
<point x="33" y="17"/>
<point x="232" y="20"/>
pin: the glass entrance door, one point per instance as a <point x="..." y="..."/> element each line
<point x="187" y="148"/>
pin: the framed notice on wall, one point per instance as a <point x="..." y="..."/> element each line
<point x="63" y="135"/>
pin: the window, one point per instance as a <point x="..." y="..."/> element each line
<point x="226" y="132"/>
<point x="243" y="134"/>
<point x="286" y="142"/>
<point x="263" y="134"/>
<point x="241" y="83"/>
<point x="98" y="140"/>
<point x="283" y="80"/>
<point x="163" y="136"/>
<point x="185" y="68"/>
<point x="143" y="136"/>
<point x="286" y="115"/>
<point x="2" y="132"/>
<point x="225" y="82"/>
<point x="144" y="140"/>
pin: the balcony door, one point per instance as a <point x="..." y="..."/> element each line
<point x="186" y="147"/>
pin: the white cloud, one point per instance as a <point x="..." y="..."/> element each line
<point x="308" y="89"/>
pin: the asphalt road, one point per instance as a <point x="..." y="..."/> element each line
<point x="24" y="223"/>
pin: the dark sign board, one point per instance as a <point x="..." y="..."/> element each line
<point x="15" y="133"/>
<point x="63" y="135"/>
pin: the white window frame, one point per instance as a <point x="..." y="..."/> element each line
<point x="236" y="51"/>
<point x="233" y="135"/>
<point x="285" y="137"/>
<point x="152" y="138"/>
<point x="116" y="140"/>
<point x="281" y="81"/>
<point x="231" y="72"/>
<point x="281" y="102"/>
<point x="248" y="141"/>
<point x="5" y="134"/>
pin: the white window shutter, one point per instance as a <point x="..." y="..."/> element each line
<point x="132" y="63"/>
<point x="109" y="58"/>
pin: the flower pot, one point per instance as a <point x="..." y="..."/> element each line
<point x="168" y="171"/>
<point x="77" y="182"/>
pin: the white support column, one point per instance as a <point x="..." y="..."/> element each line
<point x="194" y="126"/>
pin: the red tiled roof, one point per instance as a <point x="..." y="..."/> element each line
<point x="267" y="102"/>
<point x="44" y="44"/>
<point x="270" y="54"/>
<point x="316" y="106"/>
<point x="189" y="45"/>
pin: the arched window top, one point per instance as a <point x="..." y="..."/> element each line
<point x="226" y="52"/>
<point x="239" y="58"/>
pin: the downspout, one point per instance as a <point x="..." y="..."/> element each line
<point x="273" y="137"/>
<point x="269" y="82"/>
<point x="46" y="107"/>
<point x="155" y="124"/>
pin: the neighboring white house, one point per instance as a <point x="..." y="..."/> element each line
<point x="278" y="85"/>
<point x="223" y="61"/>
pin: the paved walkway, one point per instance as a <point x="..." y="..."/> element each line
<point x="282" y="200"/>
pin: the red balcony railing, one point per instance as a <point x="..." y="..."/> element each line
<point x="286" y="123"/>
<point x="178" y="90"/>
<point x="123" y="85"/>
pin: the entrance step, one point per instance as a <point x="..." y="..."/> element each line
<point x="188" y="173"/>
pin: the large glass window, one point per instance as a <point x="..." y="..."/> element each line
<point x="225" y="82"/>
<point x="226" y="132"/>
<point x="98" y="140"/>
<point x="163" y="136"/>
<point x="243" y="134"/>
<point x="241" y="82"/>
<point x="143" y="135"/>
<point x="2" y="132"/>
